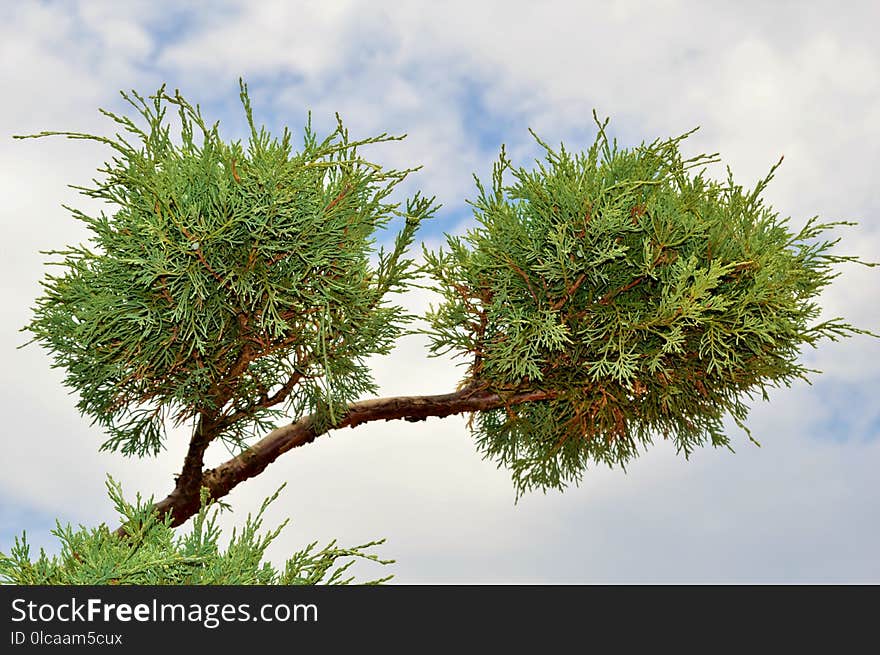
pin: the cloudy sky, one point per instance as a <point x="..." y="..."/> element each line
<point x="460" y="78"/>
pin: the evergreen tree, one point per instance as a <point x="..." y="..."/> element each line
<point x="605" y="298"/>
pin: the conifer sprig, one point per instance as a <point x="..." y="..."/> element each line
<point x="154" y="554"/>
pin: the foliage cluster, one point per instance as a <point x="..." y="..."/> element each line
<point x="154" y="554"/>
<point x="648" y="300"/>
<point x="231" y="284"/>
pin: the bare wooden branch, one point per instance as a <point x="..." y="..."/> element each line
<point x="183" y="502"/>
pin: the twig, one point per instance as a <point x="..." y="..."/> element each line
<point x="569" y="292"/>
<point x="612" y="294"/>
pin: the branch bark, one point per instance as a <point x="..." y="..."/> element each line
<point x="183" y="501"/>
<point x="191" y="474"/>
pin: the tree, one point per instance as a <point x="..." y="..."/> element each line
<point x="604" y="298"/>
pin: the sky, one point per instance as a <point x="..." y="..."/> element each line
<point x="460" y="78"/>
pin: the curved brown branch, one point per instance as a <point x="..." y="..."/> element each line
<point x="183" y="502"/>
<point x="190" y="477"/>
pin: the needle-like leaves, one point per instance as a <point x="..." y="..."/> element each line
<point x="650" y="300"/>
<point x="230" y="282"/>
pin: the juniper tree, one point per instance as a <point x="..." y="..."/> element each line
<point x="605" y="298"/>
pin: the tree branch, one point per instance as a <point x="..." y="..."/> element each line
<point x="183" y="502"/>
<point x="190" y="478"/>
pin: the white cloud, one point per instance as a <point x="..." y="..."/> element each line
<point x="268" y="37"/>
<point x="762" y="79"/>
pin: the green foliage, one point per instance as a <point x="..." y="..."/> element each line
<point x="646" y="299"/>
<point x="154" y="554"/>
<point x="237" y="284"/>
<point x="233" y="284"/>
